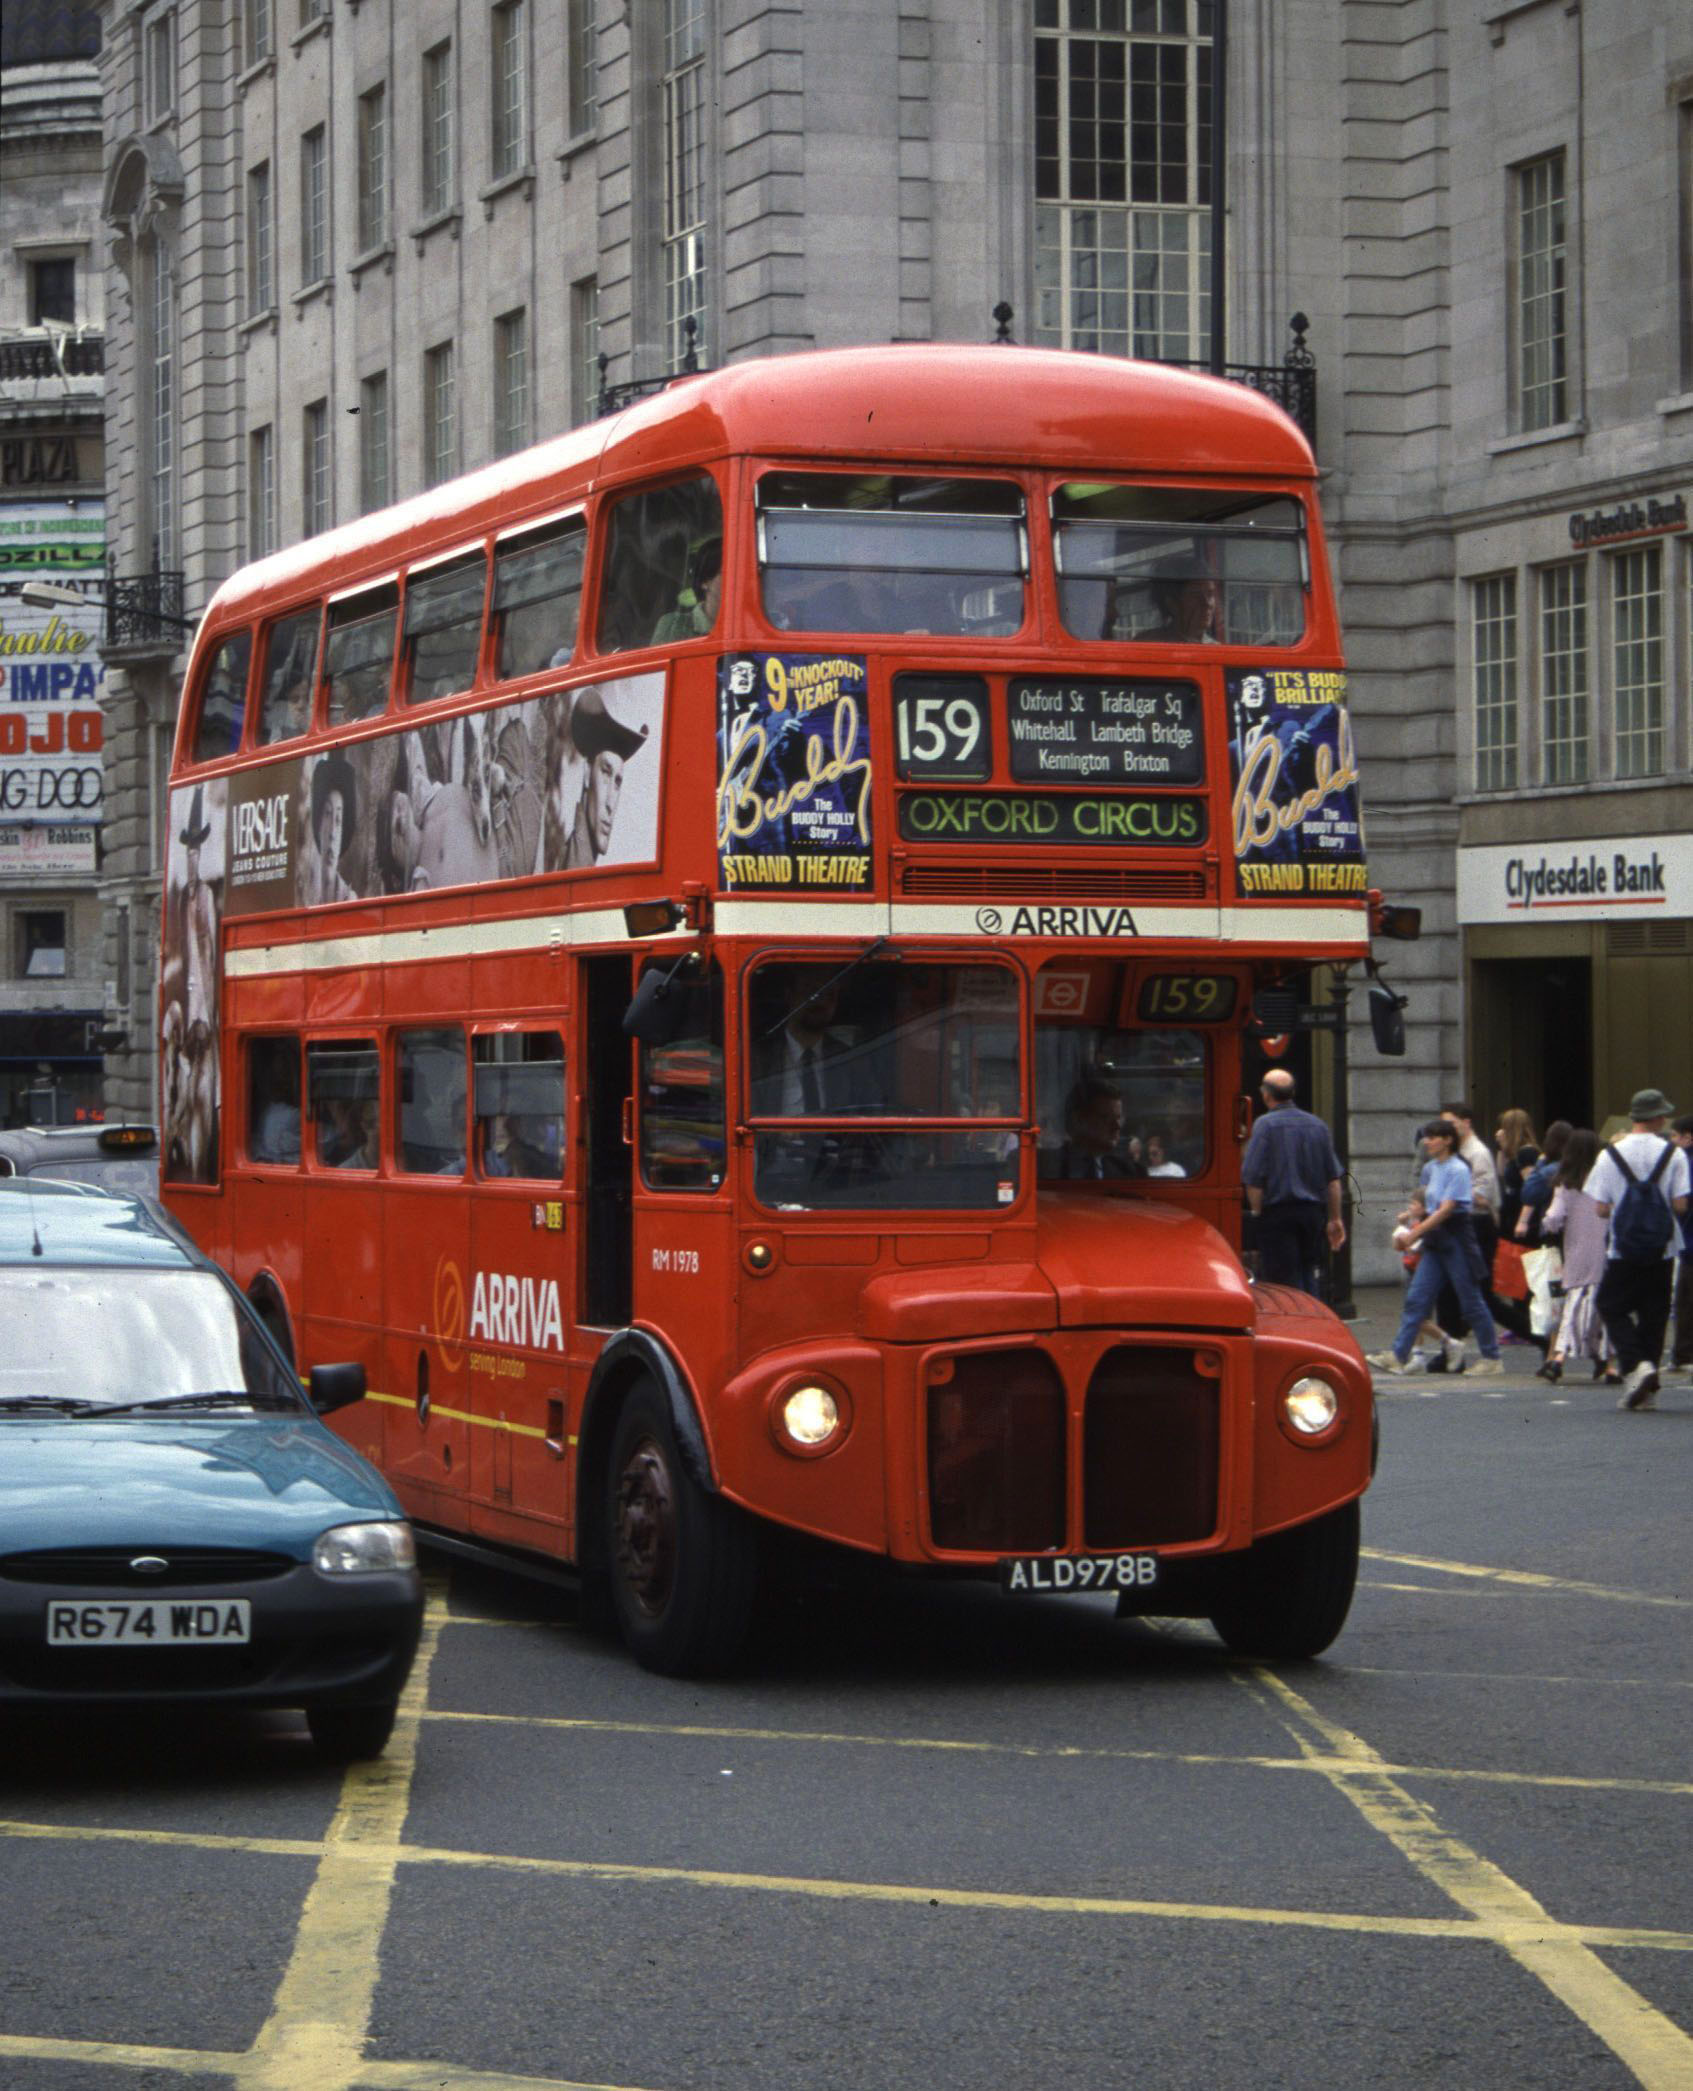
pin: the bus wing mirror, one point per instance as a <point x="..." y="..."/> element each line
<point x="336" y="1387"/>
<point x="1387" y="1020"/>
<point x="659" y="1006"/>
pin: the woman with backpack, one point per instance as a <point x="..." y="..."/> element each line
<point x="1640" y="1183"/>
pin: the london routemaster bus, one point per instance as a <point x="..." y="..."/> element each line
<point x="717" y="959"/>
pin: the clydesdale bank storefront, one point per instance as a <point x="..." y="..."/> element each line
<point x="1578" y="968"/>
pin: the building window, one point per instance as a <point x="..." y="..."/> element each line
<point x="684" y="175"/>
<point x="261" y="283"/>
<point x="52" y="291"/>
<point x="511" y="383"/>
<point x="1542" y="288"/>
<point x="159" y="62"/>
<point x="374" y="488"/>
<point x="1684" y="242"/>
<point x="440" y="416"/>
<point x="256" y="24"/>
<point x="1496" y="683"/>
<point x="373" y="169"/>
<point x="1637" y="635"/>
<point x="437" y="130"/>
<point x="509" y="142"/>
<point x="312" y="11"/>
<point x="40" y="944"/>
<point x="583" y="86"/>
<point x="1122" y="176"/>
<point x="1563" y="673"/>
<point x="159" y="276"/>
<point x="261" y="492"/>
<point x="317" y="501"/>
<point x="584" y="350"/>
<point x="314" y="206"/>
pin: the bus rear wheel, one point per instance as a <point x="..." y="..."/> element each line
<point x="682" y="1565"/>
<point x="1288" y="1597"/>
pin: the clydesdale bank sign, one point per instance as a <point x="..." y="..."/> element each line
<point x="1611" y="879"/>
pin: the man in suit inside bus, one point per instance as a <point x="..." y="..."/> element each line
<point x="605" y="743"/>
<point x="1093" y="1122"/>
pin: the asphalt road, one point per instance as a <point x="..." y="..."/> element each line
<point x="939" y="1839"/>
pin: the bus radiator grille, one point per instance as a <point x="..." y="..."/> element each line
<point x="1058" y="882"/>
<point x="1149" y="1450"/>
<point x="996" y="1454"/>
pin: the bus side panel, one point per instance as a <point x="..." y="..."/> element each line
<point x="334" y="1289"/>
<point x="428" y="1286"/>
<point x="521" y="1478"/>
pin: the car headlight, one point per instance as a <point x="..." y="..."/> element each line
<point x="1310" y="1406"/>
<point x="356" y="1550"/>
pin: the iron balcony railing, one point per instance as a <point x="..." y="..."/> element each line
<point x="144" y="612"/>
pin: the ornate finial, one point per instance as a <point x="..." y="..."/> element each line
<point x="1299" y="356"/>
<point x="1002" y="313"/>
<point x="605" y="384"/>
<point x="691" y="355"/>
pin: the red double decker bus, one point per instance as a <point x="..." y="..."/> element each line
<point x="717" y="959"/>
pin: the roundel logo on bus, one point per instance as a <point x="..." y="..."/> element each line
<point x="449" y="1313"/>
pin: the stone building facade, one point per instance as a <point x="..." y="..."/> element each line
<point x="359" y="247"/>
<point x="53" y="1018"/>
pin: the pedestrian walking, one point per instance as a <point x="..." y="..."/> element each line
<point x="1574" y="1219"/>
<point x="1640" y="1184"/>
<point x="1681" y="1357"/>
<point x="1293" y="1186"/>
<point x="1445" y="1240"/>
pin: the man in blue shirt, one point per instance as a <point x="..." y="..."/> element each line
<point x="1292" y="1179"/>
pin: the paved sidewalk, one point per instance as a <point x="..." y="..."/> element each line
<point x="1377" y="1323"/>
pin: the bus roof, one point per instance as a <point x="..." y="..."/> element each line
<point x="942" y="403"/>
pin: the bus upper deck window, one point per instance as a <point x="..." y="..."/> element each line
<point x="359" y="655"/>
<point x="876" y="553"/>
<point x="1180" y="565"/>
<point x="538" y="597"/>
<point x="223" y="699"/>
<point x="662" y="541"/>
<point x="443" y="621"/>
<point x="285" y="707"/>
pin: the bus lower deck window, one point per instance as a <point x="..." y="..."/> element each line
<point x="518" y="1096"/>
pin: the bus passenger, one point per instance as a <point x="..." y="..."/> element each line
<point x="1158" y="1160"/>
<point x="696" y="606"/>
<point x="1093" y="1122"/>
<point x="1187" y="606"/>
<point x="506" y="1152"/>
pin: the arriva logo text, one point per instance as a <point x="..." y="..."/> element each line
<point x="520" y="1311"/>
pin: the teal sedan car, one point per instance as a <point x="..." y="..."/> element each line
<point x="177" y="1526"/>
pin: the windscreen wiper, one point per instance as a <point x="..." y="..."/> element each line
<point x="169" y="1401"/>
<point x="881" y="948"/>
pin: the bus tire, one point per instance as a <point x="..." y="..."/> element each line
<point x="1288" y="1597"/>
<point x="682" y="1565"/>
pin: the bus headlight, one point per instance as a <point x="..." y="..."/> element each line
<point x="353" y="1550"/>
<point x="809" y="1415"/>
<point x="1310" y="1407"/>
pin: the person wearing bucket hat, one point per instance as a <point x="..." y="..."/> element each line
<point x="335" y="799"/>
<point x="1640" y="1184"/>
<point x="605" y="741"/>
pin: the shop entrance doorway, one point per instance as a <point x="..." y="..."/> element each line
<point x="1531" y="1039"/>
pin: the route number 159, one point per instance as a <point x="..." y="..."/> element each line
<point x="941" y="726"/>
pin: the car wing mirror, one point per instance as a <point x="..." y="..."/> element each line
<point x="336" y="1387"/>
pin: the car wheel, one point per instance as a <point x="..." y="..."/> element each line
<point x="348" y="1734"/>
<point x="1289" y="1595"/>
<point x="682" y="1565"/>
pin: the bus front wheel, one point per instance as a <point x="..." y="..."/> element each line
<point x="681" y="1563"/>
<point x="1288" y="1596"/>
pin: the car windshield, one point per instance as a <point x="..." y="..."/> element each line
<point x="131" y="1338"/>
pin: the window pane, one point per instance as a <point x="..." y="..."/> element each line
<point x="1563" y="654"/>
<point x="1638" y="608"/>
<point x="656" y="541"/>
<point x="223" y="700"/>
<point x="1495" y="606"/>
<point x="684" y="1128"/>
<point x="273" y="1101"/>
<point x="359" y="655"/>
<point x="1114" y="1105"/>
<point x="443" y="629"/>
<point x="519" y="1101"/>
<point x="344" y="1088"/>
<point x="290" y="677"/>
<point x="430" y="1070"/>
<point x="1541" y="316"/>
<point x="538" y="597"/>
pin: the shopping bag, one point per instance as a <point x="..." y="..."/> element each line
<point x="1509" y="1281"/>
<point x="1544" y="1270"/>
